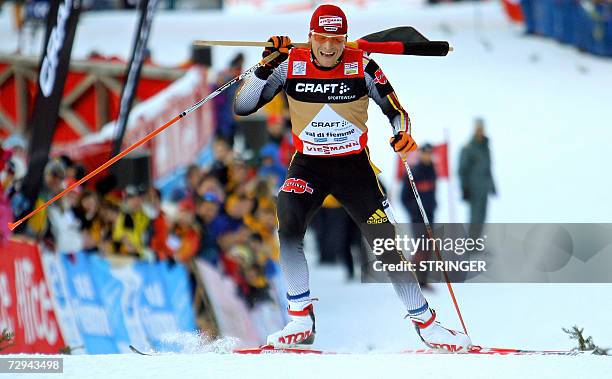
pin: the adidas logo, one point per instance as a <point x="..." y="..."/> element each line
<point x="378" y="217"/>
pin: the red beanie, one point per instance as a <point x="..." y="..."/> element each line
<point x="328" y="19"/>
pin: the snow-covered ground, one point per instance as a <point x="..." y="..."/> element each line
<point x="188" y="366"/>
<point x="548" y="113"/>
<point x="366" y="320"/>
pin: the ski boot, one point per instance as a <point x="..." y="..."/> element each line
<point x="300" y="331"/>
<point x="436" y="336"/>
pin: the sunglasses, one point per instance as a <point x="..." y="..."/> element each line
<point x="322" y="38"/>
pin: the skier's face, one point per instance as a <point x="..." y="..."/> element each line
<point x="327" y="48"/>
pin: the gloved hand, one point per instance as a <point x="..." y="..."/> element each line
<point x="282" y="44"/>
<point x="403" y="143"/>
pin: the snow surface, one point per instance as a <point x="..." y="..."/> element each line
<point x="548" y="117"/>
<point x="366" y="320"/>
<point x="205" y="366"/>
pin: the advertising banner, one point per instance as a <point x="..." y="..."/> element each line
<point x="67" y="320"/>
<point x="231" y="312"/>
<point x="179" y="293"/>
<point x="93" y="322"/>
<point x="26" y="307"/>
<point x="155" y="305"/>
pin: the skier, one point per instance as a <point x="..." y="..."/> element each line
<point x="328" y="88"/>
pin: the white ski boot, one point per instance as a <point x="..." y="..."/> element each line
<point x="436" y="336"/>
<point x="300" y="331"/>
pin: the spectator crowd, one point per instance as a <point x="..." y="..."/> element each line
<point x="223" y="212"/>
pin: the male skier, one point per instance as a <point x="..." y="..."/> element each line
<point x="328" y="87"/>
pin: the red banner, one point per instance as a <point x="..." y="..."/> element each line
<point x="26" y="307"/>
<point x="513" y="9"/>
<point x="440" y="160"/>
<point x="86" y="117"/>
<point x="439" y="157"/>
<point x="177" y="146"/>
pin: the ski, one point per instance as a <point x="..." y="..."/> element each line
<point x="478" y="350"/>
<point x="137" y="351"/>
<point x="269" y="349"/>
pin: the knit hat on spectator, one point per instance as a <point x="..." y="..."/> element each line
<point x="212" y="197"/>
<point x="328" y="19"/>
<point x="187" y="205"/>
<point x="274" y="118"/>
<point x="237" y="61"/>
<point x="132" y="190"/>
<point x="55" y="168"/>
<point x="15" y="141"/>
<point x="427" y="147"/>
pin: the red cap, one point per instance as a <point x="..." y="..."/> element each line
<point x="328" y="19"/>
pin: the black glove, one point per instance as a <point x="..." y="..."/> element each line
<point x="282" y="44"/>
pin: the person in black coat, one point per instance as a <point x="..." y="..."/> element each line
<point x="425" y="180"/>
<point x="424" y="176"/>
<point x="476" y="177"/>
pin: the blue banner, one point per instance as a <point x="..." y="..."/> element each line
<point x="159" y="321"/>
<point x="111" y="293"/>
<point x="180" y="293"/>
<point x="92" y="320"/>
<point x="127" y="302"/>
<point x="587" y="25"/>
<point x="64" y="313"/>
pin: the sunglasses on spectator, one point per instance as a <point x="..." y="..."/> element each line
<point x="322" y="38"/>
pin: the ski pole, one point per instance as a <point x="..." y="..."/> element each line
<point x="385" y="47"/>
<point x="430" y="235"/>
<point x="110" y="162"/>
<point x="402" y="40"/>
